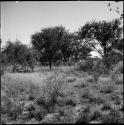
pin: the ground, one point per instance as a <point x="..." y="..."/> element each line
<point x="62" y="95"/>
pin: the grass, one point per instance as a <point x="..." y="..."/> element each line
<point x="32" y="97"/>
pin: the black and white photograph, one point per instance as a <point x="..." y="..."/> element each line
<point x="61" y="62"/>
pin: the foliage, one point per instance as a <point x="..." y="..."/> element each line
<point x="48" y="42"/>
<point x="107" y="35"/>
<point x="18" y="54"/>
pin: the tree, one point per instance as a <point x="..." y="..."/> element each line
<point x="18" y="54"/>
<point x="66" y="47"/>
<point x="79" y="49"/>
<point x="48" y="42"/>
<point x="107" y="35"/>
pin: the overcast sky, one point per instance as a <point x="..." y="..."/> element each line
<point x="22" y="19"/>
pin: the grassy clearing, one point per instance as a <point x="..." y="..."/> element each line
<point x="62" y="95"/>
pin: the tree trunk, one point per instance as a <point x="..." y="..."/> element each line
<point x="50" y="64"/>
<point x="14" y="67"/>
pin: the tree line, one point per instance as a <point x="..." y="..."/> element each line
<point x="56" y="44"/>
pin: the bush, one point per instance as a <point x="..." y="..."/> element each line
<point x="50" y="92"/>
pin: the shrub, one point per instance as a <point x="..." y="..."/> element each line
<point x="50" y="92"/>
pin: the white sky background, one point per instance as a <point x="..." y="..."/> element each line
<point x="22" y="19"/>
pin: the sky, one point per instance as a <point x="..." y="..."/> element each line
<point x="22" y="19"/>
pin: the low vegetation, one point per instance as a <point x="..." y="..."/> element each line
<point x="65" y="97"/>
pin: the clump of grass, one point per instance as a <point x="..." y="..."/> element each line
<point x="107" y="89"/>
<point x="39" y="112"/>
<point x="106" y="106"/>
<point x="118" y="78"/>
<point x="113" y="117"/>
<point x="11" y="108"/>
<point x="3" y="120"/>
<point x="62" y="101"/>
<point x="97" y="99"/>
<point x="84" y="116"/>
<point x="89" y="78"/>
<point x="67" y="115"/>
<point x="96" y="115"/>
